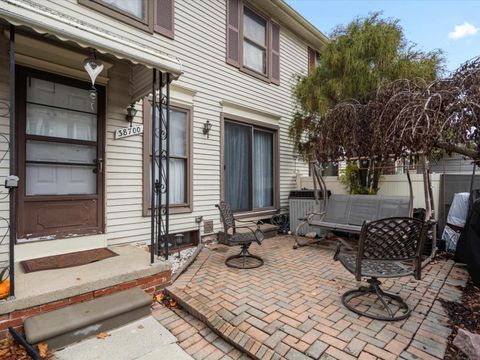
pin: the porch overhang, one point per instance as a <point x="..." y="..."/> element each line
<point x="45" y="20"/>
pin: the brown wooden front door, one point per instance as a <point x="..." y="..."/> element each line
<point x="60" y="139"/>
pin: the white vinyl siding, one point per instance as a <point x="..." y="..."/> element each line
<point x="213" y="80"/>
<point x="206" y="73"/>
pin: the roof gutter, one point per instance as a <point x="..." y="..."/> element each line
<point x="301" y="21"/>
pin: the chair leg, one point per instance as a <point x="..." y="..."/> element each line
<point x="384" y="297"/>
<point x="244" y="256"/>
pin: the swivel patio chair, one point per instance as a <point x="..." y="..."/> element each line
<point x="241" y="235"/>
<point x="388" y="248"/>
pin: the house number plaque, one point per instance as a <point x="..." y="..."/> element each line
<point x="128" y="131"/>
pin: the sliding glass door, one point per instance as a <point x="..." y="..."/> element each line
<point x="249" y="169"/>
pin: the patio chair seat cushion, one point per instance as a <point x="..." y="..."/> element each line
<point x="377" y="268"/>
<point x="337" y="226"/>
<point x="246" y="237"/>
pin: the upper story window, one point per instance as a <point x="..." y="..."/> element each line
<point x="132" y="7"/>
<point x="253" y="42"/>
<point x="149" y="15"/>
<point x="313" y="59"/>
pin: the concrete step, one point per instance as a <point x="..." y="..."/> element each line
<point x="76" y="322"/>
<point x="144" y="339"/>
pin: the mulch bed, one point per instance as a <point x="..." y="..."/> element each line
<point x="464" y="315"/>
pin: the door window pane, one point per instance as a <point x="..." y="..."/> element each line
<point x="58" y="152"/>
<point x="237" y="165"/>
<point x="263" y="169"/>
<point x="50" y="93"/>
<point x="58" y="110"/>
<point x="54" y="122"/>
<point x="60" y="180"/>
<point x="133" y="7"/>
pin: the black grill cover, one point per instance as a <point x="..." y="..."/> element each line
<point x="468" y="247"/>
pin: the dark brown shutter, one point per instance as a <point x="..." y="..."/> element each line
<point x="165" y="17"/>
<point x="275" y="54"/>
<point x="233" y="35"/>
<point x="311" y="60"/>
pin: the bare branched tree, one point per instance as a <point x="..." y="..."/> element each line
<point x="406" y="116"/>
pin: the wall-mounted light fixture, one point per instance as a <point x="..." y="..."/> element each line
<point x="131" y="112"/>
<point x="206" y="128"/>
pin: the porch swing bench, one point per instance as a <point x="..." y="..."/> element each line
<point x="347" y="213"/>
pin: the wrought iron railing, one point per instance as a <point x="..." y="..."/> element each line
<point x="159" y="164"/>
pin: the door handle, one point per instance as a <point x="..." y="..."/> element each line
<point x="99" y="166"/>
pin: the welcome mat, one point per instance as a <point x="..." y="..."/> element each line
<point x="67" y="260"/>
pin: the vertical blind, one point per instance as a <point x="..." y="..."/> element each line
<point x="263" y="169"/>
<point x="249" y="167"/>
<point x="237" y="165"/>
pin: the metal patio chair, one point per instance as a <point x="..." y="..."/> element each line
<point x="388" y="248"/>
<point x="241" y="235"/>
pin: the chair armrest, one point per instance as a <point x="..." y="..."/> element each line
<point x="259" y="222"/>
<point x="312" y="215"/>
<point x="341" y="245"/>
<point x="338" y="250"/>
<point x="255" y="233"/>
<point x="246" y="226"/>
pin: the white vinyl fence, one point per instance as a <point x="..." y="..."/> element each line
<point x="389" y="185"/>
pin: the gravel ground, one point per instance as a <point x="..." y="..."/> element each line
<point x="177" y="261"/>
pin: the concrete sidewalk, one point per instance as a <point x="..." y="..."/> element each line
<point x="145" y="339"/>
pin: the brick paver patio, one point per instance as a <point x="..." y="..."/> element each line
<point x="194" y="336"/>
<point x="291" y="308"/>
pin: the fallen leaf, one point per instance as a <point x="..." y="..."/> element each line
<point x="4" y="352"/>
<point x="103" y="335"/>
<point x="42" y="349"/>
<point x="159" y="297"/>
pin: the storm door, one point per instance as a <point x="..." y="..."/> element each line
<point x="60" y="156"/>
